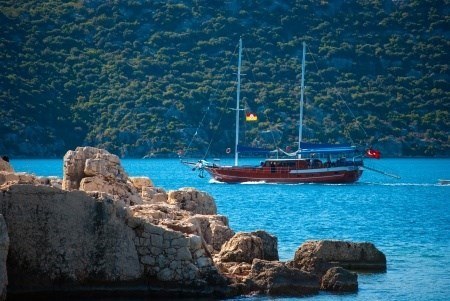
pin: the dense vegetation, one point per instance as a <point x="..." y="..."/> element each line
<point x="142" y="77"/>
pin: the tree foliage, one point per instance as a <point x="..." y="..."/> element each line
<point x="142" y="77"/>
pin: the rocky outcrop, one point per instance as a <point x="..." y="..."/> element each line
<point x="90" y="236"/>
<point x="141" y="182"/>
<point x="242" y="247"/>
<point x="93" y="169"/>
<point x="5" y="166"/>
<point x="238" y="254"/>
<point x="108" y="233"/>
<point x="278" y="278"/>
<point x="319" y="256"/>
<point x="338" y="279"/>
<point x="214" y="229"/>
<point x="4" y="246"/>
<point x="9" y="178"/>
<point x="70" y="240"/>
<point x="192" y="200"/>
<point x="269" y="243"/>
<point x="65" y="237"/>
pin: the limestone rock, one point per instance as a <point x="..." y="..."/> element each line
<point x="214" y="229"/>
<point x="64" y="237"/>
<point x="4" y="247"/>
<point x="5" y="166"/>
<point x="319" y="256"/>
<point x="19" y="178"/>
<point x="270" y="245"/>
<point x="338" y="279"/>
<point x="93" y="169"/>
<point x="141" y="182"/>
<point x="90" y="161"/>
<point x="119" y="190"/>
<point x="278" y="278"/>
<point x="74" y="165"/>
<point x="154" y="195"/>
<point x="242" y="247"/>
<point x="192" y="200"/>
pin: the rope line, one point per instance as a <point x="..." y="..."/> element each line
<point x="212" y="98"/>
<point x="341" y="98"/>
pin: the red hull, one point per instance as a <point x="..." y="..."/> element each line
<point x="335" y="175"/>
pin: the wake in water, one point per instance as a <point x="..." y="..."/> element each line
<point x="403" y="184"/>
<point x="213" y="181"/>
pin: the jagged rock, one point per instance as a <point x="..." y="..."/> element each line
<point x="214" y="229"/>
<point x="141" y="182"/>
<point x="319" y="256"/>
<point x="8" y="178"/>
<point x="74" y="165"/>
<point x="20" y="178"/>
<point x="119" y="190"/>
<point x="270" y="245"/>
<point x="278" y="278"/>
<point x="192" y="200"/>
<point x="4" y="247"/>
<point x="89" y="162"/>
<point x="5" y="166"/>
<point x="93" y="169"/>
<point x="154" y="195"/>
<point x="242" y="247"/>
<point x="71" y="240"/>
<point x="338" y="279"/>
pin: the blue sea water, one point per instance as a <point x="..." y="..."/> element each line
<point x="408" y="219"/>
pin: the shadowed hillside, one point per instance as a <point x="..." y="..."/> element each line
<point x="142" y="77"/>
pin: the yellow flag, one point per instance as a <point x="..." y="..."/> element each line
<point x="251" y="117"/>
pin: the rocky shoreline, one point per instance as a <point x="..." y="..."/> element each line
<point x="98" y="232"/>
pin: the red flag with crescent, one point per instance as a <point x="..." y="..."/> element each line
<point x="373" y="153"/>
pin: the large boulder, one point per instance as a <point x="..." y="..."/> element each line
<point x="192" y="200"/>
<point x="92" y="169"/>
<point x="5" y="166"/>
<point x="74" y="163"/>
<point x="278" y="278"/>
<point x="321" y="255"/>
<point x="270" y="245"/>
<point x="338" y="279"/>
<point x="141" y="183"/>
<point x="154" y="195"/>
<point x="214" y="229"/>
<point x="4" y="246"/>
<point x="242" y="247"/>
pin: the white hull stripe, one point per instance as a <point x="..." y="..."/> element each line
<point x="321" y="170"/>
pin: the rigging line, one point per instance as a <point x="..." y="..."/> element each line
<point x="340" y="96"/>
<point x="214" y="132"/>
<point x="213" y="96"/>
<point x="226" y="104"/>
<point x="353" y="115"/>
<point x="196" y="132"/>
<point x="275" y="142"/>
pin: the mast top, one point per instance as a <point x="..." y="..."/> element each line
<point x="302" y="88"/>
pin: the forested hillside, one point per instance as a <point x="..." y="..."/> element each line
<point x="154" y="77"/>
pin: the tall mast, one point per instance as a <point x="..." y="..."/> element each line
<point x="302" y="88"/>
<point x="238" y="95"/>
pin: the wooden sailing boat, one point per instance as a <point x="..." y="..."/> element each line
<point x="311" y="163"/>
